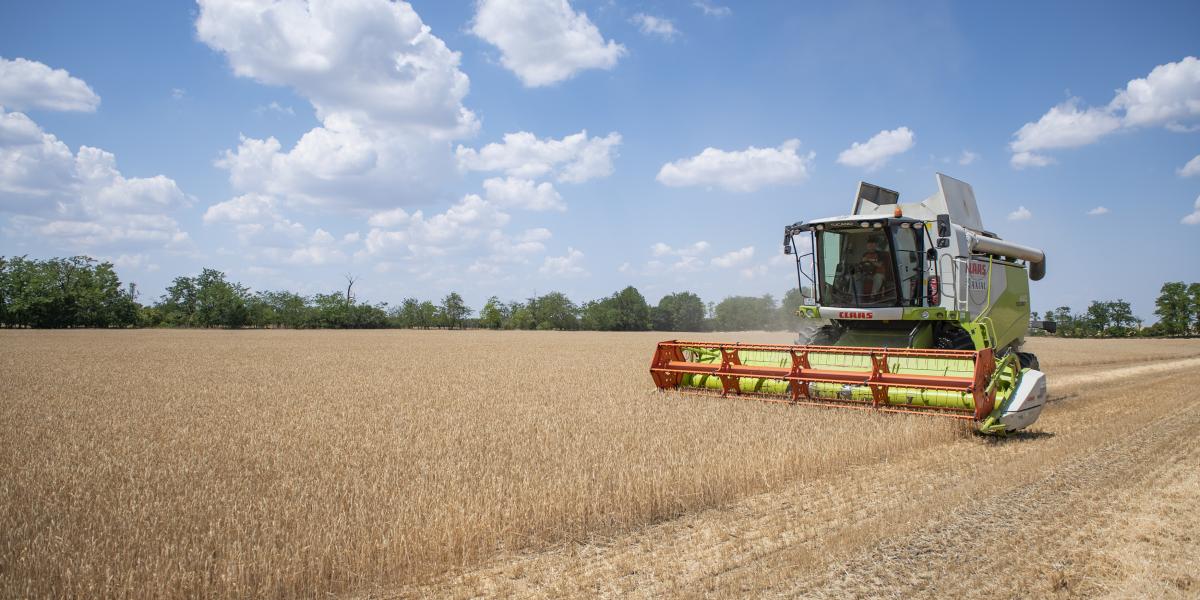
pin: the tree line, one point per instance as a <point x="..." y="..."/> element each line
<point x="1177" y="308"/>
<point x="83" y="292"/>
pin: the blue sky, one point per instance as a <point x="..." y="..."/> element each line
<point x="289" y="143"/>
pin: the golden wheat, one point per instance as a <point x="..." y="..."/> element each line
<point x="296" y="463"/>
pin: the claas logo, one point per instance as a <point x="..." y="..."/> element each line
<point x="846" y="314"/>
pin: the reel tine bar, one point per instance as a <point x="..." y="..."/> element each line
<point x="671" y="365"/>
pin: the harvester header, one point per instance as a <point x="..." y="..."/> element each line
<point x="909" y="308"/>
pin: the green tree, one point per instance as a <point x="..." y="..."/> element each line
<point x="521" y="317"/>
<point x="427" y="315"/>
<point x="625" y="310"/>
<point x="1124" y="323"/>
<point x="63" y="292"/>
<point x="1194" y="298"/>
<point x="453" y="310"/>
<point x="1173" y="308"/>
<point x="219" y="303"/>
<point x="681" y="311"/>
<point x="553" y="311"/>
<point x="492" y="315"/>
<point x="408" y="313"/>
<point x="744" y="313"/>
<point x="178" y="304"/>
<point x="1099" y="318"/>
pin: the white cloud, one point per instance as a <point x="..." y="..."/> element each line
<point x="1065" y="126"/>
<point x="1169" y="96"/>
<point x="1191" y="168"/>
<point x="1021" y="214"/>
<point x="740" y="171"/>
<point x="656" y="26"/>
<point x="567" y="265"/>
<point x="389" y="218"/>
<point x="967" y="157"/>
<point x="81" y="199"/>
<point x="1194" y="218"/>
<point x="878" y="150"/>
<point x="734" y="258"/>
<point x="178" y="93"/>
<point x="31" y="85"/>
<point x="687" y="257"/>
<point x="543" y="41"/>
<point x="389" y="95"/>
<point x="523" y="193"/>
<point x="319" y="248"/>
<point x="248" y="208"/>
<point x="462" y="226"/>
<point x="573" y="159"/>
<point x="1022" y="160"/>
<point x="712" y="10"/>
<point x="1099" y="210"/>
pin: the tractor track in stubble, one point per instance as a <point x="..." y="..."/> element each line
<point x="1052" y="522"/>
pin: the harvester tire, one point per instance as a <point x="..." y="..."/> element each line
<point x="951" y="336"/>
<point x="1028" y="361"/>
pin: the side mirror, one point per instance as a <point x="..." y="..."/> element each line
<point x="943" y="242"/>
<point x="943" y="225"/>
<point x="931" y="254"/>
<point x="787" y="245"/>
<point x="1050" y="326"/>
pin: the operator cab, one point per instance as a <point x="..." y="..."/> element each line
<point x="868" y="262"/>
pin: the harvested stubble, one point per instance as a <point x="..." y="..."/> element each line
<point x="284" y="463"/>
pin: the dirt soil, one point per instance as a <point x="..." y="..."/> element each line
<point x="1098" y="500"/>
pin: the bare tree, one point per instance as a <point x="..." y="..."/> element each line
<point x="350" y="279"/>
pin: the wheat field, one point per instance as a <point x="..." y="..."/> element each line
<point x="307" y="463"/>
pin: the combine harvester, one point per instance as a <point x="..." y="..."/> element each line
<point x="926" y="312"/>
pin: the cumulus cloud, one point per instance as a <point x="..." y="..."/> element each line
<point x="1021" y="214"/>
<point x="1190" y="169"/>
<point x="1169" y="96"/>
<point x="740" y="171"/>
<point x="686" y="258"/>
<point x="878" y="150"/>
<point x="1065" y="126"/>
<point x="1194" y="218"/>
<point x="543" y="41"/>
<point x="734" y="258"/>
<point x="389" y="95"/>
<point x="257" y="220"/>
<point x="31" y="85"/>
<point x="567" y="265"/>
<point x="465" y="225"/>
<point x="1099" y="210"/>
<point x="525" y="194"/>
<point x="655" y="26"/>
<point x="573" y="159"/>
<point x="81" y="199"/>
<point x="967" y="157"/>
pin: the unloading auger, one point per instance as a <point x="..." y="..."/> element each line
<point x="912" y="308"/>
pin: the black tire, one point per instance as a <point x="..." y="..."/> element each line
<point x="951" y="336"/>
<point x="1028" y="361"/>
